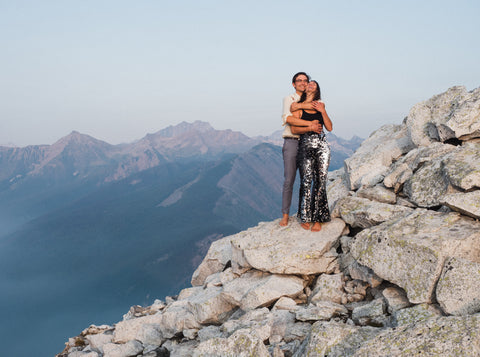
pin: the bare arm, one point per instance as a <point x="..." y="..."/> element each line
<point x="298" y="106"/>
<point x="327" y="122"/>
<point x="300" y="126"/>
<point x="299" y="130"/>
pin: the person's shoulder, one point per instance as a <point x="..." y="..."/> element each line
<point x="291" y="97"/>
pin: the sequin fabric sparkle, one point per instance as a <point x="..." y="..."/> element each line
<point x="313" y="158"/>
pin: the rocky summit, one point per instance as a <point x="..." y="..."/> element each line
<point x="395" y="273"/>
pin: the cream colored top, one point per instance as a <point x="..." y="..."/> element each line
<point x="287" y="102"/>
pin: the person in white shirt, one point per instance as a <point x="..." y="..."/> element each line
<point x="290" y="143"/>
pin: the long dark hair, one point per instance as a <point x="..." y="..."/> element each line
<point x="316" y="96"/>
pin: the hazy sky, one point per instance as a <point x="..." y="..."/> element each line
<point x="118" y="70"/>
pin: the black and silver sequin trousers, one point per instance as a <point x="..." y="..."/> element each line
<point x="313" y="158"/>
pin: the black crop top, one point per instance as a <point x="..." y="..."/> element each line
<point x="311" y="117"/>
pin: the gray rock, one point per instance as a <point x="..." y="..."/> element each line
<point x="323" y="310"/>
<point x="378" y="193"/>
<point x="241" y="344"/>
<point x="462" y="166"/>
<point x="427" y="185"/>
<point x="415" y="314"/>
<point x="209" y="332"/>
<point x="129" y="349"/>
<point x="425" y="118"/>
<point x="404" y="168"/>
<point x="443" y="336"/>
<point x="218" y="255"/>
<point x="145" y="329"/>
<point x="184" y="349"/>
<point x="464" y="121"/>
<point x="287" y="250"/>
<point x="337" y="188"/>
<point x="259" y="322"/>
<point x="465" y="203"/>
<point x="98" y="340"/>
<point x="210" y="307"/>
<point x="285" y="303"/>
<point x="369" y="164"/>
<point x="176" y="318"/>
<point x="396" y="299"/>
<point x="410" y="252"/>
<point x="256" y="289"/>
<point x="83" y="354"/>
<point x="370" y="313"/>
<point x="458" y="290"/>
<point x="328" y="288"/>
<point x="335" y="339"/>
<point x="364" y="213"/>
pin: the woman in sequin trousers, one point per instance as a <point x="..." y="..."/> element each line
<point x="313" y="159"/>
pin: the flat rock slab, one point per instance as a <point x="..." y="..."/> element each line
<point x="335" y="339"/>
<point x="443" y="336"/>
<point x="465" y="203"/>
<point x="241" y="344"/>
<point x="458" y="290"/>
<point x="364" y="213"/>
<point x="410" y="252"/>
<point x="256" y="289"/>
<point x="287" y="250"/>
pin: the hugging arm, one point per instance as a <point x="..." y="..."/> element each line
<point x="320" y="107"/>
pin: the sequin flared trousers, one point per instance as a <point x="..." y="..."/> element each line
<point x="313" y="158"/>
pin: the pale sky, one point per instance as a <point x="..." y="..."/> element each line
<point x="117" y="70"/>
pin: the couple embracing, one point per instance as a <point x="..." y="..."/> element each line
<point x="305" y="147"/>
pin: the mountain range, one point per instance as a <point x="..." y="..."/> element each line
<point x="105" y="226"/>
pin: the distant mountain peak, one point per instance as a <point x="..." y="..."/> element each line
<point x="184" y="127"/>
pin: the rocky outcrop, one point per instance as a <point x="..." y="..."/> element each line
<point x="395" y="273"/>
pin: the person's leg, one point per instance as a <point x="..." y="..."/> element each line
<point x="305" y="199"/>
<point x="321" y="211"/>
<point x="290" y="170"/>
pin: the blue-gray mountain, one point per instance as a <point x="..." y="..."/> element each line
<point x="102" y="227"/>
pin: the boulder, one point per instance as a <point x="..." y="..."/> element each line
<point x="335" y="339"/>
<point x="410" y="251"/>
<point x="337" y="188"/>
<point x="396" y="299"/>
<point x="287" y="250"/>
<point x="458" y="289"/>
<point x="243" y="343"/>
<point x="129" y="349"/>
<point x="378" y="193"/>
<point x="415" y="314"/>
<point x="462" y="166"/>
<point x="465" y="203"/>
<point x="426" y="120"/>
<point x="369" y="164"/>
<point x="464" y="122"/>
<point x="145" y="329"/>
<point x="260" y="321"/>
<point x="443" y="336"/>
<point x="372" y="313"/>
<point x="322" y="310"/>
<point x="364" y="213"/>
<point x="328" y="288"/>
<point x="404" y="167"/>
<point x="257" y="289"/>
<point x="210" y="307"/>
<point x="176" y="318"/>
<point x="218" y="255"/>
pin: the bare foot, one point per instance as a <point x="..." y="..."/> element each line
<point x="317" y="226"/>
<point x="305" y="225"/>
<point x="284" y="220"/>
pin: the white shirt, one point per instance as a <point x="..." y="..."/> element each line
<point x="287" y="102"/>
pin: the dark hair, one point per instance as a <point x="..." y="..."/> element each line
<point x="299" y="74"/>
<point x="316" y="96"/>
